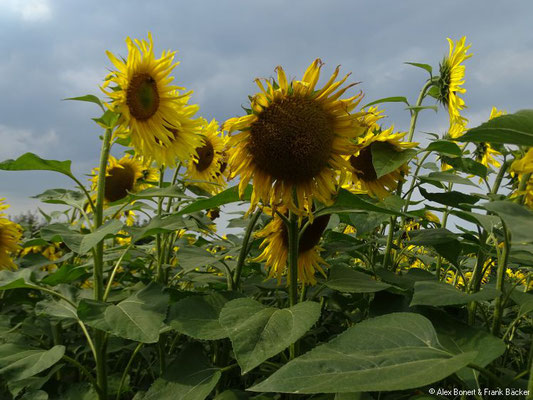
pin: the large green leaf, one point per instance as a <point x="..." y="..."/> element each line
<point x="385" y="158"/>
<point x="188" y="377"/>
<point x="514" y="128"/>
<point x="442" y="240"/>
<point x="445" y="147"/>
<point x="467" y="165"/>
<point x="451" y="198"/>
<point x="439" y="177"/>
<point x="258" y="332"/>
<point x="32" y="162"/>
<point x="21" y="278"/>
<point x="345" y="279"/>
<point x="394" y="99"/>
<point x="158" y="224"/>
<point x="78" y="242"/>
<point x="63" y="196"/>
<point x="230" y="195"/>
<point x="139" y="317"/>
<point x="488" y="222"/>
<point x="517" y="218"/>
<point x="347" y="202"/>
<point x="169" y="191"/>
<point x="197" y="316"/>
<point x="433" y="293"/>
<point x="58" y="309"/>
<point x="191" y="257"/>
<point x="20" y="363"/>
<point x="392" y="352"/>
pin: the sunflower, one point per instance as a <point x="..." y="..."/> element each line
<point x="293" y="140"/>
<point x="484" y="152"/>
<point x="452" y="74"/>
<point x="276" y="249"/>
<point x="363" y="176"/>
<point x="520" y="168"/>
<point x="152" y="112"/>
<point x="129" y="174"/>
<point x="10" y="235"/>
<point x="209" y="165"/>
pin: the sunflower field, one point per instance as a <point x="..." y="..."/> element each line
<point x="371" y="263"/>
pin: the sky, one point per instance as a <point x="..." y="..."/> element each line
<point x="55" y="49"/>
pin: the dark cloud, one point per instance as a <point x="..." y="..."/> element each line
<point x="56" y="49"/>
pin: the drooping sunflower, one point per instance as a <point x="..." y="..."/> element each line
<point x="293" y="140"/>
<point x="10" y="236"/>
<point x="152" y="112"/>
<point x="362" y="176"/>
<point x="452" y="73"/>
<point x="209" y="165"/>
<point x="484" y="152"/>
<point x="129" y="174"/>
<point x="276" y="249"/>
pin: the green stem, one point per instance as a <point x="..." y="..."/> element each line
<point x="98" y="275"/>
<point x="499" y="177"/>
<point x="113" y="273"/>
<point x="522" y="186"/>
<point x="159" y="244"/>
<point x="502" y="266"/>
<point x="390" y="237"/>
<point x="444" y="221"/>
<point x="414" y="115"/>
<point x="488" y="374"/>
<point x="126" y="370"/>
<point x="293" y="233"/>
<point x="244" y="249"/>
<point x="85" y="372"/>
<point x="91" y="203"/>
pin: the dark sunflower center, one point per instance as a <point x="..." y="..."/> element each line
<point x="119" y="182"/>
<point x="362" y="163"/>
<point x="292" y="139"/>
<point x="142" y="97"/>
<point x="206" y="154"/>
<point x="311" y="235"/>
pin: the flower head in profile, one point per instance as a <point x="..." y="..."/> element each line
<point x="152" y="112"/>
<point x="129" y="174"/>
<point x="452" y="73"/>
<point x="293" y="142"/>
<point x="10" y="236"/>
<point x="209" y="166"/>
<point x="362" y="176"/>
<point x="275" y="247"/>
<point x="521" y="169"/>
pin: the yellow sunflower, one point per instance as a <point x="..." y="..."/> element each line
<point x="129" y="174"/>
<point x="519" y="168"/>
<point x="209" y="165"/>
<point x="452" y="74"/>
<point x="484" y="152"/>
<point x="276" y="249"/>
<point x="293" y="140"/>
<point x="152" y="112"/>
<point x="362" y="175"/>
<point x="10" y="235"/>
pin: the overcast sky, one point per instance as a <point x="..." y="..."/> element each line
<point x="53" y="49"/>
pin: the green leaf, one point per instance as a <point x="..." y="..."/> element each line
<point x="25" y="363"/>
<point x="386" y="159"/>
<point x="488" y="222"/>
<point x="346" y="279"/>
<point x="393" y="352"/>
<point x="433" y="293"/>
<point x="517" y="218"/>
<point x="32" y="162"/>
<point x="445" y="147"/>
<point x="230" y="195"/>
<point x="347" y="202"/>
<point x="514" y="128"/>
<point x="426" y="67"/>
<point x="66" y="274"/>
<point x="467" y="165"/>
<point x="88" y="98"/>
<point x="191" y="257"/>
<point x="21" y="278"/>
<point x="197" y="316"/>
<point x="188" y="377"/>
<point x="451" y="198"/>
<point x="158" y="224"/>
<point x="169" y="191"/>
<point x="395" y="99"/>
<point x="92" y="313"/>
<point x="58" y="309"/>
<point x="77" y="242"/>
<point x="140" y="317"/>
<point x="446" y="177"/>
<point x="524" y="300"/>
<point x="441" y="239"/>
<point x="459" y="338"/>
<point x="62" y="196"/>
<point x="108" y="120"/>
<point x="258" y="332"/>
